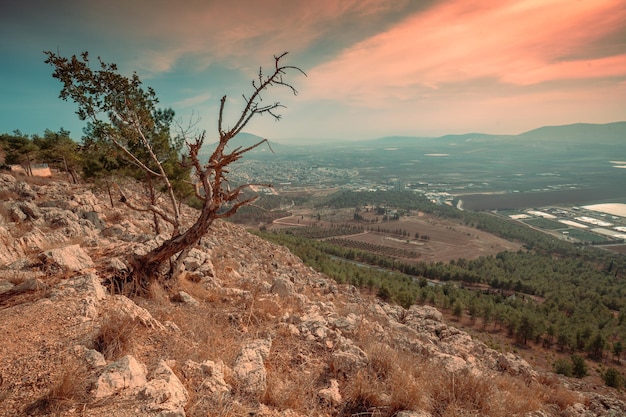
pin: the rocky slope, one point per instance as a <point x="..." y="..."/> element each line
<point x="249" y="330"/>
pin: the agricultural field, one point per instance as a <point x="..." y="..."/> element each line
<point x="438" y="239"/>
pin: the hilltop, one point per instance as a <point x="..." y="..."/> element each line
<point x="248" y="330"/>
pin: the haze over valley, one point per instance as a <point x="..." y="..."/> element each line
<point x="574" y="164"/>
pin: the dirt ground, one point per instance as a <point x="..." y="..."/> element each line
<point x="446" y="240"/>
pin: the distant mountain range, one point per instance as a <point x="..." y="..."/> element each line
<point x="573" y="133"/>
<point x="611" y="137"/>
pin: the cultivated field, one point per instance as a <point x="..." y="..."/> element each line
<point x="440" y="240"/>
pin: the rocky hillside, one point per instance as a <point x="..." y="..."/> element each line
<point x="248" y="331"/>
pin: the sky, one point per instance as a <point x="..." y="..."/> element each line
<point x="374" y="67"/>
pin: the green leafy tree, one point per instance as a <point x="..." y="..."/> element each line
<point x="123" y="113"/>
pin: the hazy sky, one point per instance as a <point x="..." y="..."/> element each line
<point x="375" y="67"/>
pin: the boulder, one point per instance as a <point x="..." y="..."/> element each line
<point x="209" y="377"/>
<point x="348" y="358"/>
<point x="126" y="306"/>
<point x="331" y="394"/>
<point x="125" y="373"/>
<point x="165" y="393"/>
<point x="70" y="258"/>
<point x="249" y="368"/>
<point x="283" y="287"/>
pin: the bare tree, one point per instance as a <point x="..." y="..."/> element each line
<point x="124" y="114"/>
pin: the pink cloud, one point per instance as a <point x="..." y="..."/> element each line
<point x="517" y="42"/>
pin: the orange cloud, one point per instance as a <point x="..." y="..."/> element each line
<point x="517" y="42"/>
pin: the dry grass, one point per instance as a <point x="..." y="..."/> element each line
<point x="114" y="217"/>
<point x="296" y="372"/>
<point x="114" y="338"/>
<point x="70" y="389"/>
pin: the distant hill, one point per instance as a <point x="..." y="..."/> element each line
<point x="579" y="132"/>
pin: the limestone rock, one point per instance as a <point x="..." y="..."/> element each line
<point x="93" y="358"/>
<point x="348" y="358"/>
<point x="125" y="305"/>
<point x="283" y="287"/>
<point x="183" y="297"/>
<point x="5" y="285"/>
<point x="209" y="377"/>
<point x="249" y="368"/>
<point x="70" y="258"/>
<point x="125" y="373"/>
<point x="165" y="393"/>
<point x="331" y="394"/>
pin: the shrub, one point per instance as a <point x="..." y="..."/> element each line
<point x="613" y="378"/>
<point x="564" y="367"/>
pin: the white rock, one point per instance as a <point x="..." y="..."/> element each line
<point x="331" y="394"/>
<point x="125" y="373"/>
<point x="126" y="306"/>
<point x="165" y="393"/>
<point x="249" y="368"/>
<point x="283" y="287"/>
<point x="69" y="258"/>
<point x="211" y="375"/>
